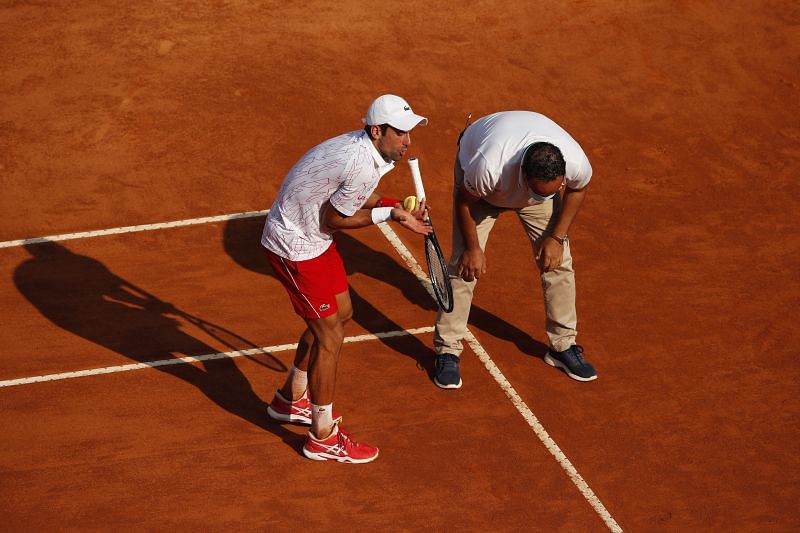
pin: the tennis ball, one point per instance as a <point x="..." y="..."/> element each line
<point x="410" y="203"/>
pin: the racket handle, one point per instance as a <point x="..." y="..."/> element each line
<point x="419" y="189"/>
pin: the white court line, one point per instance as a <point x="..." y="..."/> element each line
<point x="131" y="229"/>
<point x="412" y="263"/>
<point x="509" y="390"/>
<point x="194" y="359"/>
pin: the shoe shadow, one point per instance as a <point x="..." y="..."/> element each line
<point x="242" y="243"/>
<point x="81" y="295"/>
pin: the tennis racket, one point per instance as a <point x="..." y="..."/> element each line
<point x="437" y="267"/>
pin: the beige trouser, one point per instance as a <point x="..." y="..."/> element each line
<point x="558" y="285"/>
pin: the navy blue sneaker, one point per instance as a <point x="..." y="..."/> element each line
<point x="447" y="375"/>
<point x="572" y="362"/>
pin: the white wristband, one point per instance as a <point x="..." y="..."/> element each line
<point x="381" y="214"/>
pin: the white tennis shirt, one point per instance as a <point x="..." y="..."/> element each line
<point x="345" y="170"/>
<point x="491" y="155"/>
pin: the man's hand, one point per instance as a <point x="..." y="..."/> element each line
<point x="410" y="222"/>
<point x="551" y="252"/>
<point x="472" y="264"/>
<point x="419" y="211"/>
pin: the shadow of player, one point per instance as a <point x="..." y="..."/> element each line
<point x="81" y="295"/>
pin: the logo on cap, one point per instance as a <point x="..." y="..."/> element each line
<point x="393" y="110"/>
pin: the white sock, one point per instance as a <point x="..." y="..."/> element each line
<point x="299" y="380"/>
<point x="321" y="418"/>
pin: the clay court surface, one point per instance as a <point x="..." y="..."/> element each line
<point x="117" y="114"/>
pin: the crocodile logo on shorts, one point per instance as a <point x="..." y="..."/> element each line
<point x="324" y="307"/>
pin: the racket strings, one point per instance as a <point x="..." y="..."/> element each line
<point x="437" y="269"/>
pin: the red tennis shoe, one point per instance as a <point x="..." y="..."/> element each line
<point x="298" y="411"/>
<point x="338" y="446"/>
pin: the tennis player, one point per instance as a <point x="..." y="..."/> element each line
<point x="332" y="188"/>
<point x="523" y="162"/>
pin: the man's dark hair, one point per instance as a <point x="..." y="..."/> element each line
<point x="368" y="129"/>
<point x="543" y="162"/>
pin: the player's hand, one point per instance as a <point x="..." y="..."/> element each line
<point x="420" y="212"/>
<point x="472" y="265"/>
<point x="405" y="219"/>
<point x="551" y="254"/>
<point x="418" y="209"/>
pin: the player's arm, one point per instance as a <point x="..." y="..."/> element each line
<point x="417" y="209"/>
<point x="362" y="218"/>
<point x="551" y="251"/>
<point x="473" y="262"/>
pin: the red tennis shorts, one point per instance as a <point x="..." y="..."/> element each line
<point x="313" y="284"/>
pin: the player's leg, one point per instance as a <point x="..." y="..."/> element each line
<point x="296" y="384"/>
<point x="451" y="327"/>
<point x="323" y="362"/>
<point x="327" y="440"/>
<point x="345" y="306"/>
<point x="325" y="306"/>
<point x="558" y="288"/>
<point x="311" y="286"/>
<point x="328" y="333"/>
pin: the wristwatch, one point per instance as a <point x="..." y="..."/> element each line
<point x="561" y="240"/>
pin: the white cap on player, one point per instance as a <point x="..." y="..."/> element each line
<point x="394" y="111"/>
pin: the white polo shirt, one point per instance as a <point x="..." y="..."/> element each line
<point x="491" y="155"/>
<point x="345" y="170"/>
